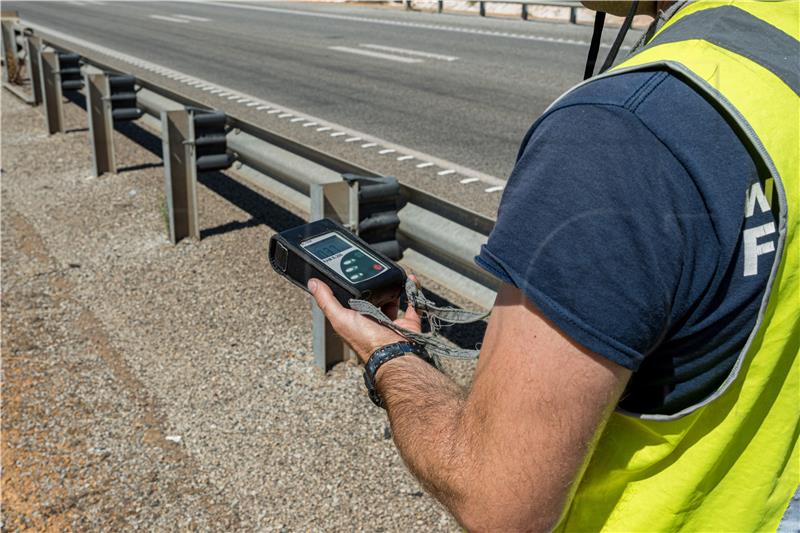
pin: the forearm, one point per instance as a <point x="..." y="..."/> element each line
<point x="427" y="414"/>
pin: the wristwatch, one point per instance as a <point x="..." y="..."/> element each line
<point x="384" y="354"/>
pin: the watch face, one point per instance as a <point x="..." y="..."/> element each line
<point x="349" y="261"/>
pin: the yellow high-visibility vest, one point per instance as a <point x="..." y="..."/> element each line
<point x="731" y="462"/>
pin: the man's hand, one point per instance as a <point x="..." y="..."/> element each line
<point x="363" y="334"/>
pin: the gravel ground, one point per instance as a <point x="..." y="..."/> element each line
<point x="156" y="387"/>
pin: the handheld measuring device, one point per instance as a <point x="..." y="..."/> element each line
<point x="327" y="251"/>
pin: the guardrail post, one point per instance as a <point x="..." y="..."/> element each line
<point x="10" y="62"/>
<point x="440" y="6"/>
<point x="180" y="174"/>
<point x="573" y="15"/>
<point x="524" y="11"/>
<point x="337" y="201"/>
<point x="34" y="45"/>
<point x="482" y="7"/>
<point x="101" y="125"/>
<point x="51" y="83"/>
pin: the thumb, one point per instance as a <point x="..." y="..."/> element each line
<point x="325" y="300"/>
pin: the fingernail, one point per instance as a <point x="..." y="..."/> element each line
<point x="312" y="285"/>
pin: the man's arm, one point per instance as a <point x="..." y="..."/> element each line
<point x="506" y="454"/>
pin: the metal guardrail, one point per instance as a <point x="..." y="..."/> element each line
<point x="440" y="238"/>
<point x="573" y="5"/>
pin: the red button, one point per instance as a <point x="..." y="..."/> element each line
<point x="376" y="266"/>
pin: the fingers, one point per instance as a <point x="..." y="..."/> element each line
<point x="412" y="315"/>
<point x="362" y="334"/>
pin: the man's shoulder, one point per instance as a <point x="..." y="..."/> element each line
<point x="624" y="90"/>
<point x="668" y="108"/>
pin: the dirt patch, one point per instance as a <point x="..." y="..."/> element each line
<point x="55" y="476"/>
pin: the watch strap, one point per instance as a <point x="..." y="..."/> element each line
<point x="384" y="354"/>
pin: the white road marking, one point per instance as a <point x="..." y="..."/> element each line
<point x="446" y="172"/>
<point x="252" y="104"/>
<point x="469" y="180"/>
<point x="233" y="96"/>
<point x="190" y="17"/>
<point x="338" y="134"/>
<point x="218" y="91"/>
<point x="243" y="100"/>
<point x="422" y="25"/>
<point x="285" y="115"/>
<point x="352" y="139"/>
<point x="273" y="111"/>
<point x="424" y="165"/>
<point x="494" y="189"/>
<point x="309" y="124"/>
<point x="324" y="128"/>
<point x="369" y="145"/>
<point x="417" y="53"/>
<point x="405" y="157"/>
<point x="297" y="119"/>
<point x="374" y="54"/>
<point x="387" y="151"/>
<point x="169" y="19"/>
<point x="263" y="107"/>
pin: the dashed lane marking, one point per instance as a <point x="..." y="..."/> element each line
<point x="494" y="189"/>
<point x="309" y="124"/>
<point x="377" y="55"/>
<point x="387" y="151"/>
<point x="469" y="180"/>
<point x="405" y="157"/>
<point x="169" y="19"/>
<point x="352" y="139"/>
<point x="263" y="107"/>
<point x="193" y="18"/>
<point x="425" y="165"/>
<point x="297" y="119"/>
<point x="338" y="134"/>
<point x="446" y="172"/>
<point x="369" y="145"/>
<point x="406" y="51"/>
<point x="324" y="128"/>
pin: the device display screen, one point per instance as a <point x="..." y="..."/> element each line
<point x="343" y="257"/>
<point x="327" y="247"/>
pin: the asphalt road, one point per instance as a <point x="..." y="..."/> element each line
<point x="461" y="90"/>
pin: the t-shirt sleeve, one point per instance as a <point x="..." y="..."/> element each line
<point x="593" y="227"/>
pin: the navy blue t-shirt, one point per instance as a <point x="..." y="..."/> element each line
<point x="636" y="220"/>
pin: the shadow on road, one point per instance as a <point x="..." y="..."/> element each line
<point x="142" y="166"/>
